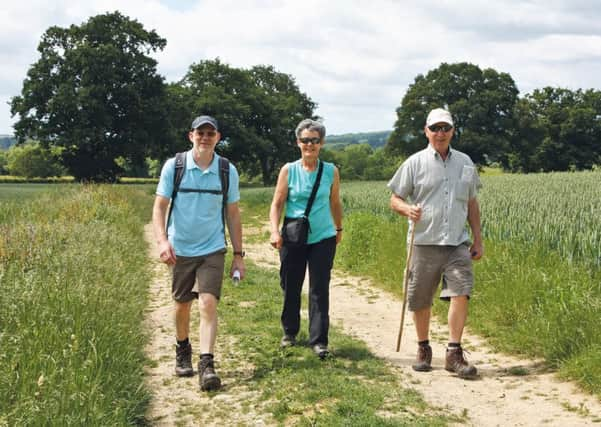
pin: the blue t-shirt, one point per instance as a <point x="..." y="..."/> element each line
<point x="195" y="227"/>
<point x="300" y="184"/>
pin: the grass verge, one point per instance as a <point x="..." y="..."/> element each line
<point x="73" y="270"/>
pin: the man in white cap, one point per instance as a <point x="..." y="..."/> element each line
<point x="194" y="241"/>
<point x="436" y="190"/>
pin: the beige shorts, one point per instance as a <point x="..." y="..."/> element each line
<point x="197" y="275"/>
<point x="429" y="264"/>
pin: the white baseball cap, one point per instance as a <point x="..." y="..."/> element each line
<point x="439" y="115"/>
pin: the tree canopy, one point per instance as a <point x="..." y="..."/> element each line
<point x="95" y="99"/>
<point x="95" y="92"/>
<point x="481" y="102"/>
<point x="257" y="109"/>
<point x="557" y="130"/>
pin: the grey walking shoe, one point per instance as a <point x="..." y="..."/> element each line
<point x="288" y="341"/>
<point x="183" y="361"/>
<point x="321" y="351"/>
<point x="207" y="378"/>
<point x="455" y="362"/>
<point x="423" y="361"/>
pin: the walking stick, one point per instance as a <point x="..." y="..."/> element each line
<point x="405" y="285"/>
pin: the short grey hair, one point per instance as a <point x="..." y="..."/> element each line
<point x="312" y="125"/>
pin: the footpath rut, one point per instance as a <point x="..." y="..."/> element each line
<point x="508" y="392"/>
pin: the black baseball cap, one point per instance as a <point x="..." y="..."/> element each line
<point x="205" y="120"/>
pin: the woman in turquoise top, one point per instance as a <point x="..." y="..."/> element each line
<point x="292" y="192"/>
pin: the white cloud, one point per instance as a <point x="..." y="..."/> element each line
<point x="355" y="59"/>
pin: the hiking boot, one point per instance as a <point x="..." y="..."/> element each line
<point x="321" y="351"/>
<point x="423" y="360"/>
<point x="288" y="341"/>
<point x="183" y="361"/>
<point x="455" y="362"/>
<point x="207" y="378"/>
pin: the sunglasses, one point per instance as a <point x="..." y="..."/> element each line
<point x="436" y="128"/>
<point x="314" y="140"/>
<point x="209" y="133"/>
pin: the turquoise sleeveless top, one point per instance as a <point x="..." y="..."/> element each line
<point x="300" y="184"/>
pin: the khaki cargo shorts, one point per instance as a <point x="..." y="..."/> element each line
<point x="429" y="264"/>
<point x="197" y="275"/>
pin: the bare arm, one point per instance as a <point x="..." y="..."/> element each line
<point x="473" y="218"/>
<point x="277" y="206"/>
<point x="400" y="206"/>
<point x="336" y="205"/>
<point x="234" y="226"/>
<point x="159" y="213"/>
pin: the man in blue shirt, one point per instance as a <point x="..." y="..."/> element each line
<point x="194" y="243"/>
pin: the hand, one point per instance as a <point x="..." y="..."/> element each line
<point x="338" y="236"/>
<point x="415" y="213"/>
<point x="477" y="250"/>
<point x="166" y="253"/>
<point x="238" y="264"/>
<point x="276" y="240"/>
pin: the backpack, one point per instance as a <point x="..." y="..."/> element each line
<point x="224" y="178"/>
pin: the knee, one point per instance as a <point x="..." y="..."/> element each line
<point x="182" y="307"/>
<point x="207" y="304"/>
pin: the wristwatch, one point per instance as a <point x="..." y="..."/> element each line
<point x="242" y="254"/>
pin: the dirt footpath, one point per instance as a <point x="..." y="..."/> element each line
<point x="509" y="392"/>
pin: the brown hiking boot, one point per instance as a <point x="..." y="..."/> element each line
<point x="423" y="361"/>
<point x="455" y="362"/>
<point x="207" y="378"/>
<point x="183" y="361"/>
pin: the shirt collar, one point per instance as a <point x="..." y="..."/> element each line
<point x="213" y="167"/>
<point x="435" y="153"/>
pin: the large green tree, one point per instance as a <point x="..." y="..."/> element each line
<point x="481" y="102"/>
<point x="558" y="129"/>
<point x="257" y="109"/>
<point x="95" y="91"/>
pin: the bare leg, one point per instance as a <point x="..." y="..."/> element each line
<point x="182" y="320"/>
<point x="207" y="305"/>
<point x="457" y="316"/>
<point x="421" y="318"/>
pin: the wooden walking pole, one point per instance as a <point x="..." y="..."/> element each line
<point x="406" y="284"/>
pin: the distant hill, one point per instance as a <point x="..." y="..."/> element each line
<point x="375" y="139"/>
<point x="6" y="141"/>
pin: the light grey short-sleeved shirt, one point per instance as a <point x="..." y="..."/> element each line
<point x="442" y="188"/>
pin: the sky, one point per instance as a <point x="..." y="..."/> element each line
<point x="354" y="58"/>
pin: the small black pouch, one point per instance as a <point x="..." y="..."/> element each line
<point x="295" y="231"/>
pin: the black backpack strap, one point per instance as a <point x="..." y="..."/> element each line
<point x="180" y="168"/>
<point x="224" y="177"/>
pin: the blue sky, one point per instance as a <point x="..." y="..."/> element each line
<point x="355" y="59"/>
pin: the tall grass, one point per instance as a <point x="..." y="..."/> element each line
<point x="73" y="277"/>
